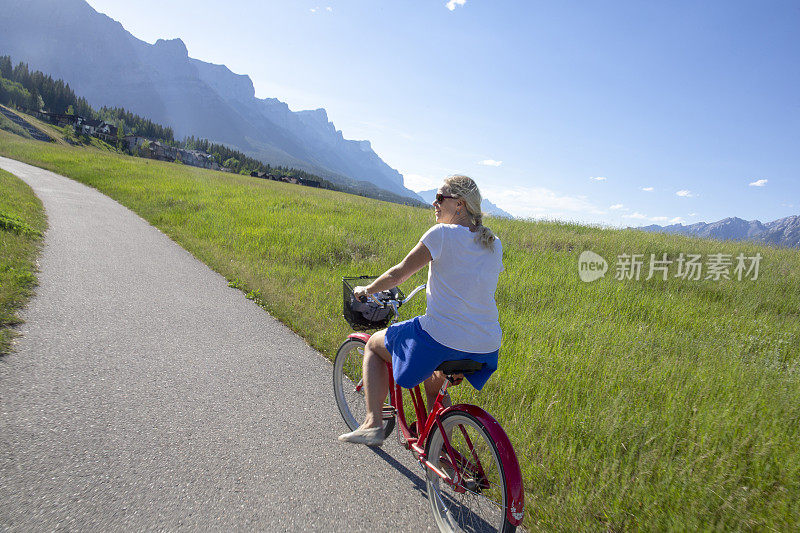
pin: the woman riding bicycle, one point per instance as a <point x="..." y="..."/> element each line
<point x="461" y="319"/>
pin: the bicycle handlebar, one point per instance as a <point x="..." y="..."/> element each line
<point x="414" y="292"/>
<point x="392" y="301"/>
<point x="375" y="299"/>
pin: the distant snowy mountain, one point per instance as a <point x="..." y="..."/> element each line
<point x="491" y="209"/>
<point x="486" y="206"/>
<point x="783" y="232"/>
<point x="108" y="66"/>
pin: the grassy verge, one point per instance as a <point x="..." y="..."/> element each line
<point x="22" y="222"/>
<point x="633" y="405"/>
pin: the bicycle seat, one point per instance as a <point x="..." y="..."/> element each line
<point x="461" y="366"/>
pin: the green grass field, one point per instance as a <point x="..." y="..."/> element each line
<point x="22" y="221"/>
<point x="633" y="404"/>
<point x="7" y="125"/>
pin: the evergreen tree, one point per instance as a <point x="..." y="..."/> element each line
<point x="34" y="101"/>
<point x="20" y="74"/>
<point x="6" y="68"/>
<point x="120" y="135"/>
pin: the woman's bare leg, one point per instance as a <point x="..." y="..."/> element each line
<point x="432" y="386"/>
<point x="376" y="379"/>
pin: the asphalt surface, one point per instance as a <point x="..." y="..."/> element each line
<point x="145" y="394"/>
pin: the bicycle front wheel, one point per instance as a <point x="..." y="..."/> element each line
<point x="348" y="386"/>
<point x="478" y="501"/>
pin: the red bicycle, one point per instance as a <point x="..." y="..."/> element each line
<point x="473" y="477"/>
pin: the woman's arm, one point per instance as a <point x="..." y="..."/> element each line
<point x="417" y="258"/>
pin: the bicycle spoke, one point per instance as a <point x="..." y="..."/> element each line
<point x="477" y="502"/>
<point x="348" y="385"/>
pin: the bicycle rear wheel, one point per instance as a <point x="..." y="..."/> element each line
<point x="347" y="386"/>
<point x="478" y="503"/>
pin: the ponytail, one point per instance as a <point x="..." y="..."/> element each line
<point x="464" y="187"/>
<point x="485" y="236"/>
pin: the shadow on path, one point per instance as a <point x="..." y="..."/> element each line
<point x="463" y="514"/>
<point x="419" y="484"/>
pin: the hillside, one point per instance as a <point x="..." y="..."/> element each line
<point x="632" y="403"/>
<point x="110" y="67"/>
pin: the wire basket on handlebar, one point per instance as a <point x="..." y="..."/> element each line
<point x="362" y="315"/>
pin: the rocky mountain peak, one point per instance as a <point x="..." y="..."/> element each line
<point x="173" y="47"/>
<point x="784" y="223"/>
<point x="319" y="116"/>
<point x="783" y="232"/>
<point x="274" y="102"/>
<point x="225" y="82"/>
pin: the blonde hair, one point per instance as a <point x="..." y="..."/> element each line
<point x="464" y="188"/>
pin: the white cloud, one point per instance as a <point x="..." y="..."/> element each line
<point x="417" y="182"/>
<point x="692" y="214"/>
<point x="637" y="215"/>
<point x="540" y="202"/>
<point x="329" y="9"/>
<point x="453" y="4"/>
<point x="684" y="193"/>
<point x="598" y="178"/>
<point x="616" y="206"/>
<point x="314" y="9"/>
<point x="758" y="183"/>
<point x="647" y="189"/>
<point x="490" y="163"/>
<point x="641" y="216"/>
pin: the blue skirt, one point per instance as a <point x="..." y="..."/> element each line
<point x="416" y="355"/>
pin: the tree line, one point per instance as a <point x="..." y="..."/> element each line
<point x="243" y="164"/>
<point x="37" y="91"/>
<point x="33" y="90"/>
<point x="22" y="88"/>
<point x="134" y="124"/>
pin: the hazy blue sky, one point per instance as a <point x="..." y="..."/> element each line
<point x="615" y="112"/>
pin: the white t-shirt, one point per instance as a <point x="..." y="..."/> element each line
<point x="462" y="279"/>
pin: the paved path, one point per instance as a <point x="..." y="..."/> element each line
<point x="146" y="394"/>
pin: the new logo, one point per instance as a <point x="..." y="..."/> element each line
<point x="591" y="266"/>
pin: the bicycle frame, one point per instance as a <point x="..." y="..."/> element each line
<point x="415" y="439"/>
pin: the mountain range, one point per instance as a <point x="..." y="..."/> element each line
<point x="782" y="232"/>
<point x="486" y="206"/>
<point x="104" y="63"/>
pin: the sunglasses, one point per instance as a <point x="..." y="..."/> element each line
<point x="440" y="197"/>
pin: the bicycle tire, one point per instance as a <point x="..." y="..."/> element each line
<point x="482" y="507"/>
<point x="346" y="373"/>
